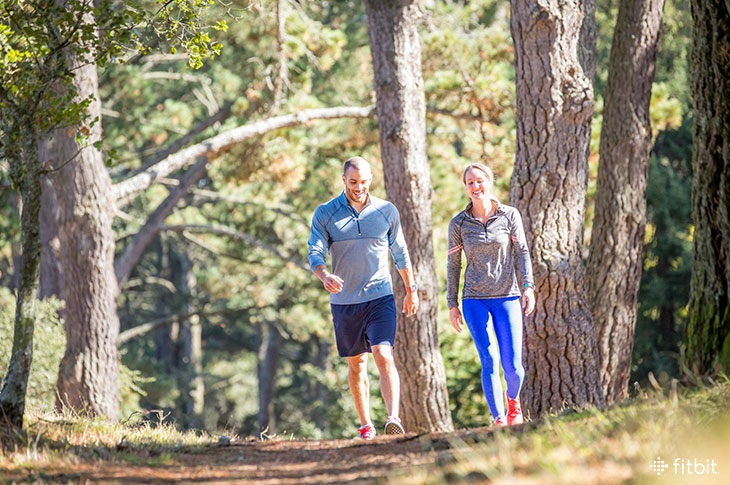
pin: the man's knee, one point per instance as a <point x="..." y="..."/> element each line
<point x="383" y="355"/>
<point x="358" y="363"/>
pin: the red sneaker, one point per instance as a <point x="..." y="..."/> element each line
<point x="500" y="423"/>
<point x="367" y="432"/>
<point x="514" y="410"/>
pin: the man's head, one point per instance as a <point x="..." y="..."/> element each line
<point x="357" y="177"/>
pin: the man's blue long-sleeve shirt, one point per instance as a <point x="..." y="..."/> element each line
<point x="358" y="246"/>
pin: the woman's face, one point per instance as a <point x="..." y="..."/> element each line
<point x="477" y="185"/>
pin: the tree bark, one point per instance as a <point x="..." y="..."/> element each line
<point x="12" y="397"/>
<point x="554" y="73"/>
<point x="617" y="239"/>
<point x="401" y="108"/>
<point x="88" y="378"/>
<point x="269" y="352"/>
<point x="708" y="330"/>
<point x="51" y="275"/>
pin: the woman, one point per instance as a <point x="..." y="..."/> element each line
<point x="493" y="240"/>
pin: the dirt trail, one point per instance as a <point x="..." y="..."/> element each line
<point x="262" y="462"/>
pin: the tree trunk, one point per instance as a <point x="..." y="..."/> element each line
<point x="51" y="281"/>
<point x="554" y="73"/>
<point x="396" y="54"/>
<point x="617" y="239"/>
<point x="320" y="387"/>
<point x="192" y="389"/>
<point x="88" y="378"/>
<point x="12" y="397"/>
<point x="708" y="330"/>
<point x="167" y="336"/>
<point x="269" y="352"/>
<point x="16" y="245"/>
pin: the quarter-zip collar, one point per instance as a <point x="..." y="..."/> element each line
<point x="498" y="209"/>
<point x="343" y="200"/>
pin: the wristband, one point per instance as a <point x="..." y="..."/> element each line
<point x="411" y="289"/>
<point x="528" y="285"/>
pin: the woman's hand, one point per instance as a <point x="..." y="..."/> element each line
<point x="455" y="317"/>
<point x="528" y="300"/>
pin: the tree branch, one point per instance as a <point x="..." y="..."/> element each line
<point x="247" y="238"/>
<point x="133" y="252"/>
<point x="124" y="191"/>
<point x="144" y="328"/>
<point x="222" y="115"/>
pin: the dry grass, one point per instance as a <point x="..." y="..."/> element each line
<point x="592" y="447"/>
<point x="49" y="440"/>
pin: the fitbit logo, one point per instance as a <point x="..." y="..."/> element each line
<point x="682" y="466"/>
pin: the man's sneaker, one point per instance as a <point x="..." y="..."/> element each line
<point x="394" y="426"/>
<point x="500" y="423"/>
<point x="367" y="432"/>
<point x="514" y="410"/>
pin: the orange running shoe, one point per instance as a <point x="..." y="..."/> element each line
<point x="514" y="410"/>
<point x="500" y="423"/>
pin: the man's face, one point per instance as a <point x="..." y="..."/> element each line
<point x="357" y="184"/>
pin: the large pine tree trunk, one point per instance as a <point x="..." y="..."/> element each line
<point x="708" y="331"/>
<point x="88" y="379"/>
<point x="396" y="53"/>
<point x="548" y="186"/>
<point x="617" y="239"/>
<point x="12" y="397"/>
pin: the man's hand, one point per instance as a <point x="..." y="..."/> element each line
<point x="455" y="317"/>
<point x="410" y="303"/>
<point x="528" y="300"/>
<point x="332" y="283"/>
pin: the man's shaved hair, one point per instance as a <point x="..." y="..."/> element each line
<point x="358" y="163"/>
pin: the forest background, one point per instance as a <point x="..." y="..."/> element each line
<point x="239" y="330"/>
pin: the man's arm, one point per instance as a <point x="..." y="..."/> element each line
<point x="317" y="254"/>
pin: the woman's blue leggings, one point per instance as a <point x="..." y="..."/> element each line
<point x="500" y="317"/>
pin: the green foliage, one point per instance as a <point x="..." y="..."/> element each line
<point x="49" y="342"/>
<point x="667" y="257"/>
<point x="43" y="43"/>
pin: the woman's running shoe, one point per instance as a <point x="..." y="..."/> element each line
<point x="514" y="410"/>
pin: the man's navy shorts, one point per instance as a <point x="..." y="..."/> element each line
<point x="362" y="325"/>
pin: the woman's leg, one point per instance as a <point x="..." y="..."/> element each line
<point x="476" y="316"/>
<point x="507" y="321"/>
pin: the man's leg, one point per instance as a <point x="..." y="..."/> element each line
<point x="389" y="381"/>
<point x="360" y="386"/>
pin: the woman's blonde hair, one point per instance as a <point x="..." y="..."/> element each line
<point x="479" y="166"/>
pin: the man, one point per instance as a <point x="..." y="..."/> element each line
<point x="358" y="230"/>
